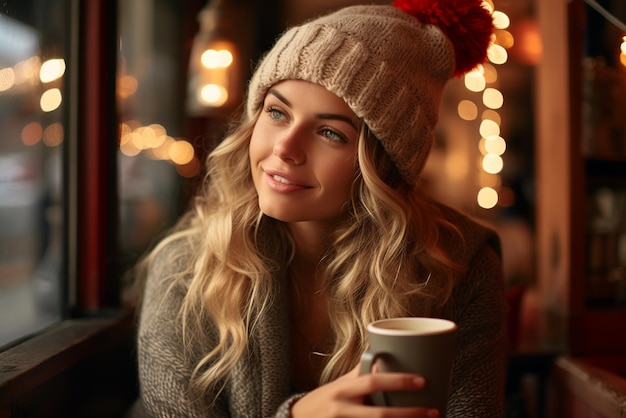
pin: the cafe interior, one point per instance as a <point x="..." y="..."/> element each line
<point x="109" y="108"/>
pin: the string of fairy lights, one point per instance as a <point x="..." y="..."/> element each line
<point x="492" y="145"/>
<point x="483" y="80"/>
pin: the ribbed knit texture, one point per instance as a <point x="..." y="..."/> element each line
<point x="260" y="382"/>
<point x="386" y="65"/>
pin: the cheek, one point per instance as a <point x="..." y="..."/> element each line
<point x="340" y="176"/>
<point x="257" y="147"/>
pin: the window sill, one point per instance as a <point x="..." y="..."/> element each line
<point x="76" y="367"/>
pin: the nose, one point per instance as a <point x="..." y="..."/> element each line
<point x="289" y="147"/>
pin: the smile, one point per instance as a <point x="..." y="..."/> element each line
<point x="281" y="179"/>
<point x="281" y="184"/>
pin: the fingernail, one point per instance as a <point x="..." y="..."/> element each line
<point x="419" y="381"/>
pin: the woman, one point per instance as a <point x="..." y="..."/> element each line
<point x="310" y="225"/>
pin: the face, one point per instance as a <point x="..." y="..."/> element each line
<point x="303" y="153"/>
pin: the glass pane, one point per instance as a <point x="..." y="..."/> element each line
<point x="150" y="122"/>
<point x="32" y="107"/>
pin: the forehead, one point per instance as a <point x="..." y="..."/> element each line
<point x="306" y="94"/>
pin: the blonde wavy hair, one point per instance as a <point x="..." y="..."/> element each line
<point x="389" y="246"/>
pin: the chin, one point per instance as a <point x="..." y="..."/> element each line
<point x="280" y="215"/>
<point x="275" y="211"/>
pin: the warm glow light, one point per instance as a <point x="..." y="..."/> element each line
<point x="490" y="72"/>
<point x="475" y="81"/>
<point x="493" y="98"/>
<point x="489" y="128"/>
<point x="128" y="148"/>
<point x="127" y="86"/>
<point x="51" y="100"/>
<point x="492" y="115"/>
<point x="53" y="135"/>
<point x="158" y="129"/>
<point x="52" y="70"/>
<point x="162" y="152"/>
<point x="504" y="38"/>
<point x="492" y="163"/>
<point x="487" y="198"/>
<point x="181" y="152"/>
<point x="27" y="70"/>
<point x="138" y="140"/>
<point x="32" y="133"/>
<point x="213" y="95"/>
<point x="160" y="135"/>
<point x="216" y="59"/>
<point x="500" y="20"/>
<point x="7" y="78"/>
<point x="125" y="138"/>
<point x="225" y="58"/>
<point x="214" y="78"/>
<point x="495" y="145"/>
<point x="150" y="137"/>
<point x="497" y="54"/>
<point x="467" y="110"/>
<point x="135" y="138"/>
<point x="481" y="146"/>
<point x="210" y="58"/>
<point x="528" y="42"/>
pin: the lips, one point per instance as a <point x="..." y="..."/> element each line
<point x="283" y="183"/>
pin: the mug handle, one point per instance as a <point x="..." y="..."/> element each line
<point x="368" y="358"/>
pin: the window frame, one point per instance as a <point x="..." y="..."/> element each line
<point x="92" y="242"/>
<point x="48" y="369"/>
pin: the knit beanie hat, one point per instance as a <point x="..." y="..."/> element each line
<point x="389" y="63"/>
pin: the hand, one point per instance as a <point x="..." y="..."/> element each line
<point x="345" y="397"/>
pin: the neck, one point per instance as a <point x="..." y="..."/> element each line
<point x="310" y="245"/>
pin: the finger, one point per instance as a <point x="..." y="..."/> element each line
<point x="382" y="382"/>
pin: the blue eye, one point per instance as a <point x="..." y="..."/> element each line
<point x="274" y="113"/>
<point x="332" y="135"/>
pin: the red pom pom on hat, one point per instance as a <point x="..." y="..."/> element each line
<point x="467" y="23"/>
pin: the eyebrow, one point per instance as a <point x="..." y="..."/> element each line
<point x="334" y="116"/>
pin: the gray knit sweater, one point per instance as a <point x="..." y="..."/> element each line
<point x="260" y="384"/>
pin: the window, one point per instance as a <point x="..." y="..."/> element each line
<point x="67" y="349"/>
<point x="33" y="108"/>
<point x="68" y="229"/>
